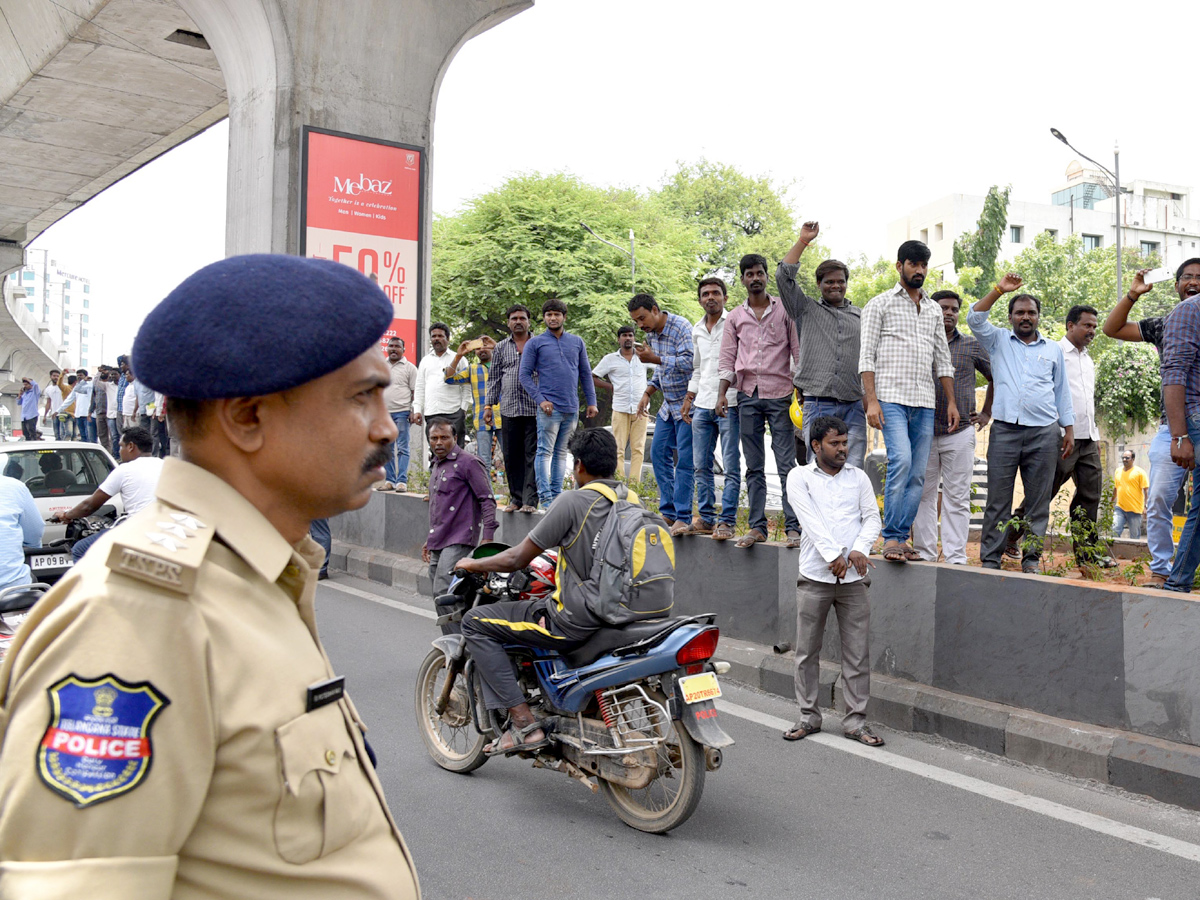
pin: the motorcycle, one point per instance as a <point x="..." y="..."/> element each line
<point x="630" y="713"/>
<point x="15" y="603"/>
<point x="50" y="562"/>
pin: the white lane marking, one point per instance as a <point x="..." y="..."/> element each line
<point x="386" y="601"/>
<point x="983" y="788"/>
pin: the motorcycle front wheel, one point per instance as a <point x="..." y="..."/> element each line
<point x="450" y="738"/>
<point x="671" y="798"/>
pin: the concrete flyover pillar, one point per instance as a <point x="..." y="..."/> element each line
<point x="367" y="67"/>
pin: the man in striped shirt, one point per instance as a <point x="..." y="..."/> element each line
<point x="902" y="341"/>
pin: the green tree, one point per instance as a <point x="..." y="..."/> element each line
<point x="523" y="243"/>
<point x="732" y="214"/>
<point x="979" y="248"/>
<point x="1128" y="386"/>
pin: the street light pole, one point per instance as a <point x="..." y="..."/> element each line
<point x="1116" y="178"/>
<point x="629" y="252"/>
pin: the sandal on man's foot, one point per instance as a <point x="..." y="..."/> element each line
<point x="512" y="507"/>
<point x="518" y="744"/>
<point x="793" y="539"/>
<point x="910" y="554"/>
<point x="699" y="526"/>
<point x="893" y="551"/>
<point x="527" y="509"/>
<point x="680" y="528"/>
<point x="864" y="735"/>
<point x="723" y="532"/>
<point x="800" y="731"/>
<point x="750" y="538"/>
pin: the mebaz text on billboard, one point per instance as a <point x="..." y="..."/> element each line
<point x="361" y="205"/>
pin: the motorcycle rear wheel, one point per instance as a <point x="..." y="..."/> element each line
<point x="450" y="738"/>
<point x="671" y="798"/>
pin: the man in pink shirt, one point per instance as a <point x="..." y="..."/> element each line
<point x="758" y="350"/>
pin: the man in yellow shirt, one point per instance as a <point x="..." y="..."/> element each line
<point x="1131" y="487"/>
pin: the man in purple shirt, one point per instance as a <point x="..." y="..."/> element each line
<point x="758" y="350"/>
<point x="461" y="504"/>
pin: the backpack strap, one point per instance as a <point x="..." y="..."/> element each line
<point x="621" y="493"/>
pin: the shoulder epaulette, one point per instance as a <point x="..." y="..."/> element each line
<point x="161" y="546"/>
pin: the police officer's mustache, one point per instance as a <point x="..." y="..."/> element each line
<point x="376" y="459"/>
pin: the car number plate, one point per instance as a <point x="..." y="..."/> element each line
<point x="696" y="688"/>
<point x="50" y="561"/>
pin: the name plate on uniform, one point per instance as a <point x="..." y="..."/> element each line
<point x="325" y="692"/>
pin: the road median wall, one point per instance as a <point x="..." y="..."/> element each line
<point x="1086" y="679"/>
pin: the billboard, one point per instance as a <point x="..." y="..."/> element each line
<point x="361" y="204"/>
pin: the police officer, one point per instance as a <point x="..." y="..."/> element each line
<point x="171" y="724"/>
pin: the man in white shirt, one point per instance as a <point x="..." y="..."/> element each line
<point x="1083" y="464"/>
<point x="398" y="395"/>
<point x="840" y="521"/>
<point x="434" y="399"/>
<point x="134" y="480"/>
<point x="699" y="408"/>
<point x="624" y="374"/>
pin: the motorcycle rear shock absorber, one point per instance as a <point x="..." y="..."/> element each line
<point x="610" y="720"/>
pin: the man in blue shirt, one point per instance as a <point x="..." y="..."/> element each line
<point x="1181" y="403"/>
<point x="21" y="526"/>
<point x="553" y="367"/>
<point x="28" y="397"/>
<point x="1032" y="403"/>
<point x="669" y="348"/>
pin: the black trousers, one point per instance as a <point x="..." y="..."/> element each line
<point x="29" y="430"/>
<point x="488" y="628"/>
<point x="1082" y="467"/>
<point x="162" y="440"/>
<point x="518" y="443"/>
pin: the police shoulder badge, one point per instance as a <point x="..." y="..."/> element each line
<point x="97" y="745"/>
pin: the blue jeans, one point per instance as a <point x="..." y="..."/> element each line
<point x="1121" y="518"/>
<point x="907" y="434"/>
<point x="319" y="530"/>
<point x="396" y="468"/>
<point x="81" y="546"/>
<point x="485" y="440"/>
<point x="856" y="423"/>
<point x="706" y="426"/>
<point x="1165" y="479"/>
<point x="87" y="429"/>
<point x="672" y="457"/>
<point x="755" y="415"/>
<point x="1187" y="554"/>
<point x="553" y="432"/>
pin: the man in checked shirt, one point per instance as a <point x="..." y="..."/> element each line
<point x="903" y="340"/>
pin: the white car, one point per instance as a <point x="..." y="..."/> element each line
<point x="58" y="474"/>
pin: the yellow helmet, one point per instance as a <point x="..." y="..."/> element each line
<point x="796" y="411"/>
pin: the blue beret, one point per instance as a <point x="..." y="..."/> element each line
<point x="258" y="324"/>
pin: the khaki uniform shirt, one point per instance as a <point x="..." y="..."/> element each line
<point x="174" y="661"/>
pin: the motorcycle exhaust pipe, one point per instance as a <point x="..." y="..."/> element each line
<point x="713" y="758"/>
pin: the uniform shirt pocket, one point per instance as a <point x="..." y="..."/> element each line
<point x="324" y="800"/>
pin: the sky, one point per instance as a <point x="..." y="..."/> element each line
<point x="867" y="110"/>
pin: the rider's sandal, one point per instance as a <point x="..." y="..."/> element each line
<point x="520" y="734"/>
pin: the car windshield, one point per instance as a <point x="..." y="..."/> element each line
<point x="64" y="472"/>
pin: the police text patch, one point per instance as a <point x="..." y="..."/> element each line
<point x="97" y="745"/>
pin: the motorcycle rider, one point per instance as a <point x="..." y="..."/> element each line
<point x="134" y="481"/>
<point x="560" y="622"/>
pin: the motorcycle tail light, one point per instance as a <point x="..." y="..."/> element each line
<point x="699" y="648"/>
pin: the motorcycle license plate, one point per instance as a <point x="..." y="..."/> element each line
<point x="699" y="687"/>
<point x="50" y="561"/>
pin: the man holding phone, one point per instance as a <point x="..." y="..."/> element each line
<point x="1165" y="476"/>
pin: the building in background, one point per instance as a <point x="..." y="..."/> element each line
<point x="1157" y="218"/>
<point x="62" y="302"/>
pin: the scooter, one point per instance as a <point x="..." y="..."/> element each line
<point x="630" y="714"/>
